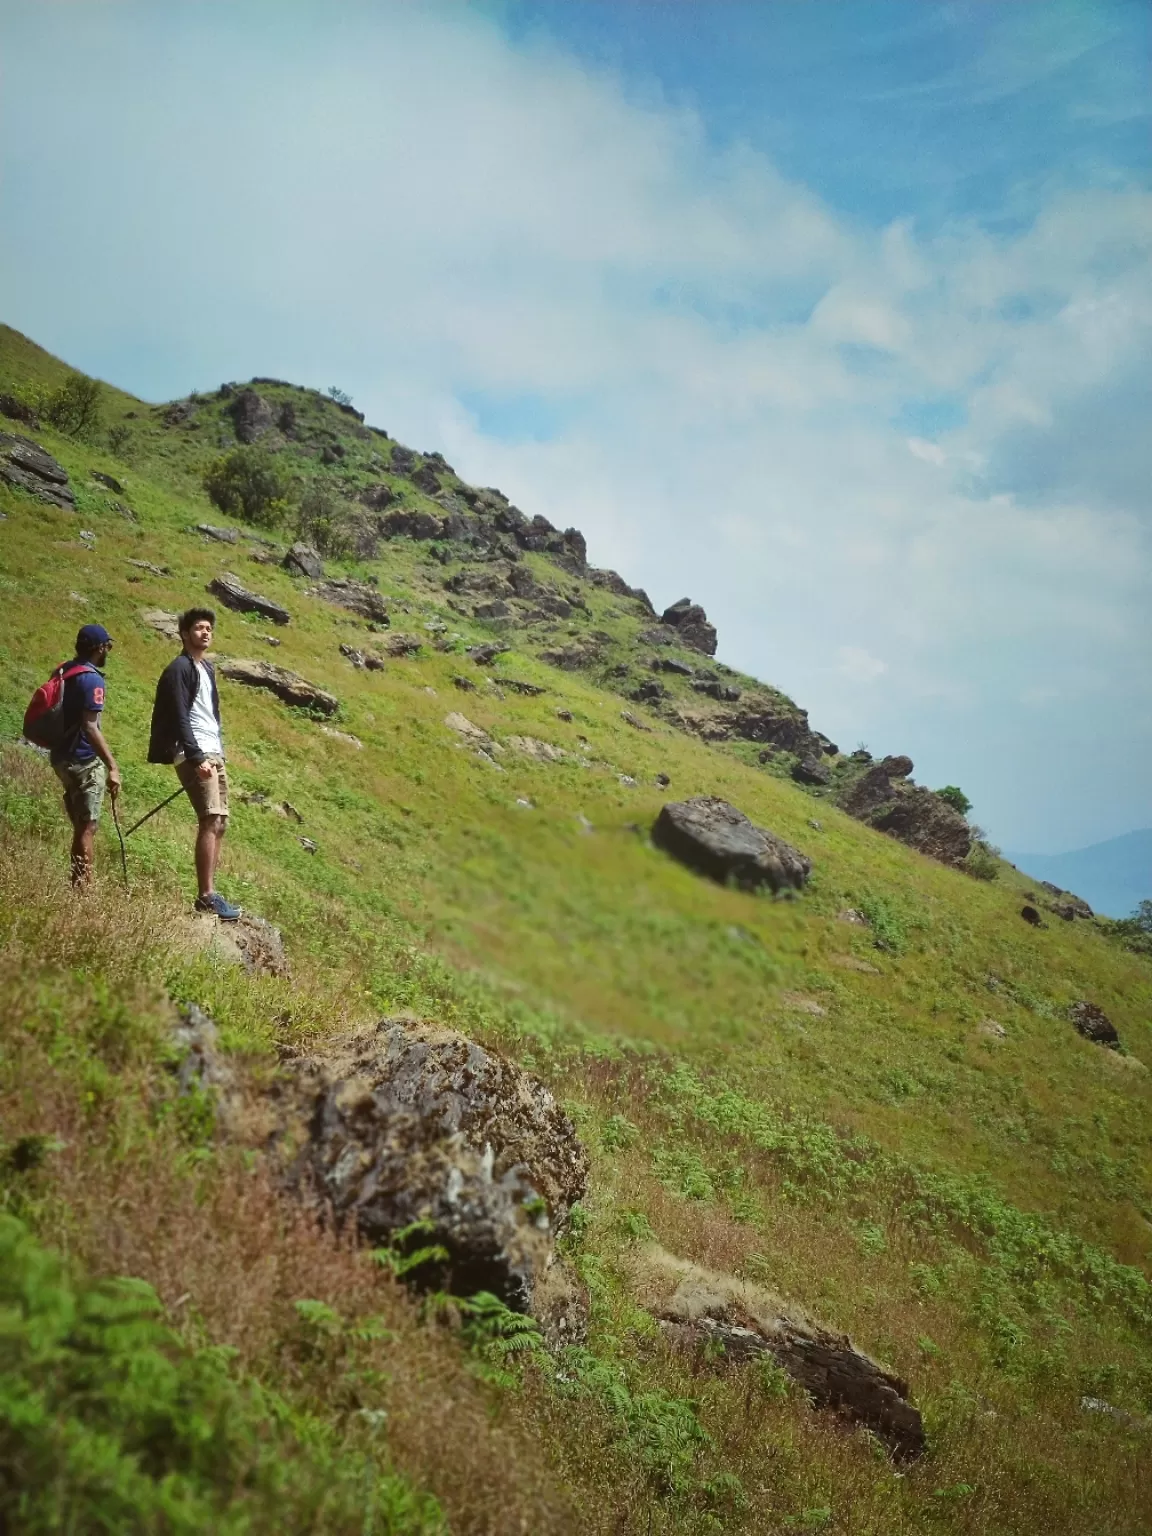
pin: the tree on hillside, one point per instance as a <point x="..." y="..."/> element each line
<point x="322" y="519"/>
<point x="76" y="407"/>
<point x="341" y="396"/>
<point x="249" y="483"/>
<point x="956" y="798"/>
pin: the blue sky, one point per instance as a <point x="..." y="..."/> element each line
<point x="836" y="316"/>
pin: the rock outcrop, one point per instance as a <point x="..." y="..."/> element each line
<point x="287" y="686"/>
<point x="234" y="594"/>
<point x="691" y="624"/>
<point x="1094" y="1024"/>
<point x="411" y="1122"/>
<point x="883" y="797"/>
<point x="251" y="414"/>
<point x="356" y="596"/>
<point x="27" y="467"/>
<point x="303" y="560"/>
<point x="730" y="1322"/>
<point x="713" y="837"/>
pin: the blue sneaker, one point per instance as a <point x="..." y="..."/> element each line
<point x="220" y="908"/>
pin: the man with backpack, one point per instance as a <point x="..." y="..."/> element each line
<point x="186" y="732"/>
<point x="69" y="724"/>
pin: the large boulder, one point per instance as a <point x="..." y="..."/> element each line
<point x="713" y="837"/>
<point x="691" y="624"/>
<point x="303" y="560"/>
<point x="251" y="414"/>
<point x="726" y="1323"/>
<point x="27" y="467"/>
<point x="411" y="1122"/>
<point x="234" y="594"/>
<point x="287" y="686"/>
<point x="356" y="596"/>
<point x="1094" y="1024"/>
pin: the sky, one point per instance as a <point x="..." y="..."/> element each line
<point x="834" y="316"/>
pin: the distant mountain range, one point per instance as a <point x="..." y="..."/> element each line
<point x="1112" y="877"/>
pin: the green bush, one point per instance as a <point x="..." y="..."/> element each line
<point x="983" y="860"/>
<point x="956" y="798"/>
<point x="249" y="483"/>
<point x="322" y="519"/>
<point x="108" y="1423"/>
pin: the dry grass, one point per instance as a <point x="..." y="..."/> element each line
<point x="124" y="1194"/>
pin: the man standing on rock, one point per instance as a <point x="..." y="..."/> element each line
<point x="186" y="732"/>
<point x="83" y="759"/>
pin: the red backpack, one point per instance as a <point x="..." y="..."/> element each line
<point x="44" y="718"/>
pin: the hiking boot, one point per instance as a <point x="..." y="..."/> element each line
<point x="220" y="908"/>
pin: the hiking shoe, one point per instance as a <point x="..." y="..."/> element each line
<point x="216" y="904"/>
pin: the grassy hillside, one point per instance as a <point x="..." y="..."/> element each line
<point x="765" y="1088"/>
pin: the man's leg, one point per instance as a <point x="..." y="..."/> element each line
<point x="83" y="837"/>
<point x="208" y="839"/>
<point x="221" y="828"/>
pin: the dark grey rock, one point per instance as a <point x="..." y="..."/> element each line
<point x="17" y="410"/>
<point x="412" y="523"/>
<point x="691" y="624"/>
<point x="1031" y="916"/>
<point x="810" y="770"/>
<point x="251" y="414"/>
<point x="672" y="664"/>
<point x="233" y="594"/>
<point x="356" y="596"/>
<point x="484" y="655"/>
<point x="1094" y="1024"/>
<point x="713" y="689"/>
<point x="303" y="560"/>
<point x="426" y="479"/>
<point x="28" y="467"/>
<point x="287" y="686"/>
<point x="109" y="480"/>
<point x="828" y="1366"/>
<point x="221" y="535"/>
<point x="715" y="838"/>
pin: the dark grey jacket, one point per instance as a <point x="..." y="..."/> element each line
<point x="171" y="731"/>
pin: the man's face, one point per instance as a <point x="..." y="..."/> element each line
<point x="200" y="635"/>
<point x="100" y="655"/>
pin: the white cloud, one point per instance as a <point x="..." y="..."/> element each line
<point x="931" y="453"/>
<point x="415" y="210"/>
<point x="858" y="666"/>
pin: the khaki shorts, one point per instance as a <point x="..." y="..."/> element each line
<point x="84" y="785"/>
<point x="209" y="797"/>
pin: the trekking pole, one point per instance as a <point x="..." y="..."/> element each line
<point x="120" y="835"/>
<point x="153" y="811"/>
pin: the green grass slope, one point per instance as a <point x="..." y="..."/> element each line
<point x="765" y="1088"/>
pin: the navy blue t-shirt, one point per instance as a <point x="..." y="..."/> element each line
<point x="83" y="694"/>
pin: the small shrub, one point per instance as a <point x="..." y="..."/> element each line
<point x="250" y="484"/>
<point x="888" y="930"/>
<point x="983" y="861"/>
<point x="119" y="436"/>
<point x="954" y="796"/>
<point x="75" y="407"/>
<point x="340" y="396"/>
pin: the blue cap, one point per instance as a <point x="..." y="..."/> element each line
<point x="91" y="636"/>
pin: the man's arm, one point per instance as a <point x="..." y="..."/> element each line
<point x="179" y="683"/>
<point x="103" y="751"/>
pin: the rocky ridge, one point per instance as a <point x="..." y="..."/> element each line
<point x="527" y="578"/>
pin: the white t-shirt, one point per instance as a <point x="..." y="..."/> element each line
<point x="204" y="725"/>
